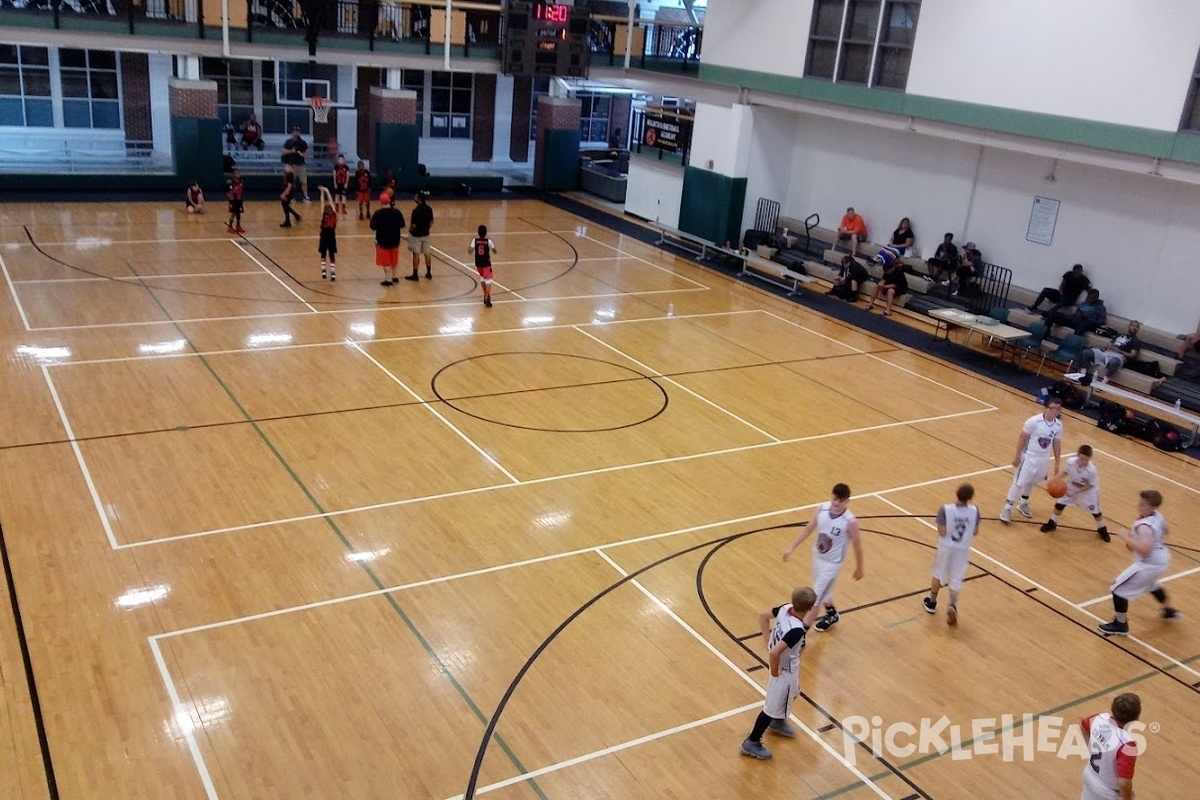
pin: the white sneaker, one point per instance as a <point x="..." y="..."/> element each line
<point x="1074" y="376"/>
<point x="1025" y="510"/>
<point x="1006" y="514"/>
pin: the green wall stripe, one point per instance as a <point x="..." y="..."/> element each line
<point x="1183" y="146"/>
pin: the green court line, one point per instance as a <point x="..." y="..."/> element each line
<point x="391" y="599"/>
<point x="992" y="734"/>
<point x="899" y="622"/>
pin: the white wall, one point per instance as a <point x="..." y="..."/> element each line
<point x="654" y="190"/>
<point x="768" y="157"/>
<point x="717" y="137"/>
<point x="1120" y="61"/>
<point x="1134" y="234"/>
<point x="762" y="35"/>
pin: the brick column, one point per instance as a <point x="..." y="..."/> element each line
<point x="196" y="99"/>
<point x="518" y="149"/>
<point x="483" y="118"/>
<point x="556" y="159"/>
<point x="135" y="97"/>
<point x="393" y="134"/>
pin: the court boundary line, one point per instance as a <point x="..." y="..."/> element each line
<point x="413" y="337"/>
<point x="169" y="276"/>
<point x="277" y="279"/>
<point x="616" y="748"/>
<point x="1050" y="592"/>
<point x="429" y="406"/>
<point x="656" y="374"/>
<point x="179" y="709"/>
<point x="83" y="467"/>
<point x="741" y="673"/>
<point x="367" y="306"/>
<point x="544" y="479"/>
<point x="873" y="356"/>
<point x="271" y="238"/>
<point x="548" y="557"/>
<point x="1148" y="471"/>
<point x="12" y="290"/>
<point x="632" y="255"/>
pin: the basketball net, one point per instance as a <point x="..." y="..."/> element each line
<point x="320" y="110"/>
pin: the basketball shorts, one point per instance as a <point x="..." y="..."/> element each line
<point x="327" y="245"/>
<point x="1031" y="471"/>
<point x="364" y="197"/>
<point x="387" y="256"/>
<point x="1094" y="788"/>
<point x="339" y="192"/>
<point x="950" y="565"/>
<point x="825" y="575"/>
<point x="1137" y="579"/>
<point x="419" y="244"/>
<point x="781" y="691"/>
<point x="485" y="274"/>
<point x="1088" y="501"/>
<point x="301" y="171"/>
<point x="236" y="207"/>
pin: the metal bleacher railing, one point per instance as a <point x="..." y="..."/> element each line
<point x="413" y="26"/>
<point x="78" y="155"/>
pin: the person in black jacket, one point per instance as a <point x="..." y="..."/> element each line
<point x="893" y="284"/>
<point x="388" y="224"/>
<point x="418" y="237"/>
<point x="944" y="260"/>
<point x="850" y="280"/>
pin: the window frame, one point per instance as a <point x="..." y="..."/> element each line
<point x="1191" y="107"/>
<point x="24" y="98"/>
<point x="90" y="73"/>
<point x="880" y="48"/>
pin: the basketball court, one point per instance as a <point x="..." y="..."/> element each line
<point x="272" y="536"/>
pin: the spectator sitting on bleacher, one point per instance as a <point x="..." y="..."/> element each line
<point x="1090" y="315"/>
<point x="944" y="260"/>
<point x="970" y="270"/>
<point x="1189" y="369"/>
<point x="1124" y="346"/>
<point x="850" y="280"/>
<point x="252" y="134"/>
<point x="1190" y="341"/>
<point x="902" y="238"/>
<point x="853" y="229"/>
<point x="893" y="284"/>
<point x="1073" y="284"/>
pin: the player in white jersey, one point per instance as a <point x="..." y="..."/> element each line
<point x="1083" y="490"/>
<point x="1041" y="437"/>
<point x="1146" y="538"/>
<point x="783" y="630"/>
<point x="1108" y="775"/>
<point x="836" y="527"/>
<point x="957" y="525"/>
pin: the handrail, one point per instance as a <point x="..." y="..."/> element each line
<point x="810" y="222"/>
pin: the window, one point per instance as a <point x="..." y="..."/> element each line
<point x="91" y="98"/>
<point x="413" y="80"/>
<point x="25" y="87"/>
<point x="235" y="88"/>
<point x="593" y="117"/>
<point x="276" y="117"/>
<point x="867" y="42"/>
<point x="450" y="98"/>
<point x="1191" y="111"/>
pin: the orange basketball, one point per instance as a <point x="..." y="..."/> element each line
<point x="1056" y="488"/>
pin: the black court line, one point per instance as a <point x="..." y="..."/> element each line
<point x="826" y="728"/>
<point x="34" y="701"/>
<point x="755" y="668"/>
<point x="1031" y="590"/>
<point x="402" y="404"/>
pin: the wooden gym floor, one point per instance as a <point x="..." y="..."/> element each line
<point x="272" y="537"/>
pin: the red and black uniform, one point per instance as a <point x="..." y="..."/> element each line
<point x="341" y="182"/>
<point x="237" y="194"/>
<point x="192" y="197"/>
<point x="327" y="245"/>
<point x="362" y="185"/>
<point x="483" y="257"/>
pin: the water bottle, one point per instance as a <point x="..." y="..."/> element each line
<point x="1178" y="405"/>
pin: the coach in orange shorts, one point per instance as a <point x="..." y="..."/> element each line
<point x="388" y="224"/>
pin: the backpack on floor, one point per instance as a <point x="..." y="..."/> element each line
<point x="1114" y="417"/>
<point x="1068" y="393"/>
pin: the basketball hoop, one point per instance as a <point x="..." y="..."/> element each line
<point x="320" y="110"/>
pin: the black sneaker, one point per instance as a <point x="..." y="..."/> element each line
<point x="930" y="605"/>
<point x="1104" y="535"/>
<point x="324" y="275"/>
<point x="828" y="621"/>
<point x="386" y="283"/>
<point x="429" y="274"/>
<point x="1115" y="628"/>
<point x="297" y="218"/>
<point x="286" y="224"/>
<point x="333" y="276"/>
<point x="487" y="301"/>
<point x="1049" y="526"/>
<point x="1171" y="613"/>
<point x="413" y="277"/>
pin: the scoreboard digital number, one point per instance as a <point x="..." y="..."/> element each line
<point x="545" y="39"/>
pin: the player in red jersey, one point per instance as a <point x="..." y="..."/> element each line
<point x="193" y="199"/>
<point x="362" y="186"/>
<point x="236" y="206"/>
<point x="341" y="183"/>
<point x="327" y="244"/>
<point x="483" y="247"/>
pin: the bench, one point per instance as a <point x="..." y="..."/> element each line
<point x="754" y="266"/>
<point x="1160" y="408"/>
<point x="687" y="242"/>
